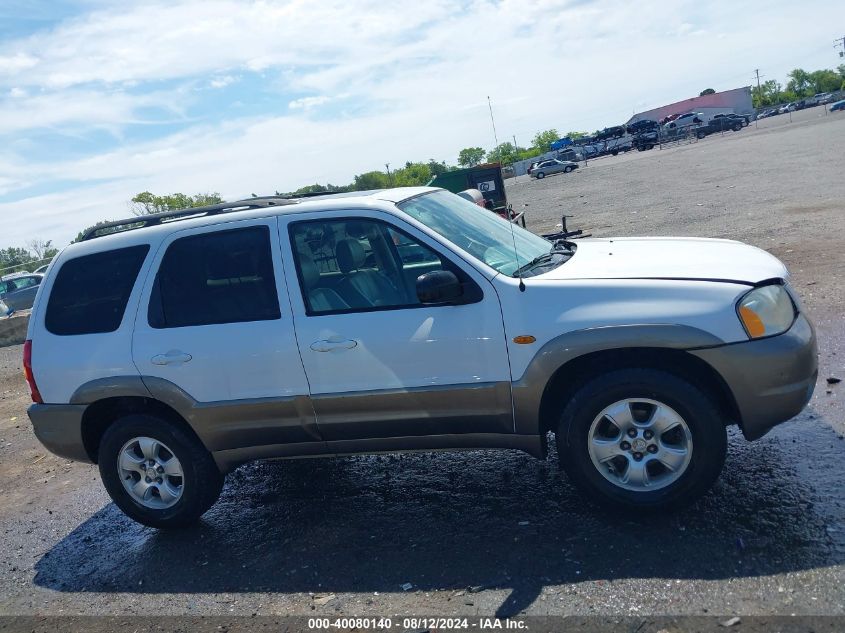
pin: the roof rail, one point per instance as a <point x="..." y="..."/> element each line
<point x="143" y="221"/>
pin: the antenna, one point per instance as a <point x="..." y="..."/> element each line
<point x="495" y="137"/>
<point x="515" y="254"/>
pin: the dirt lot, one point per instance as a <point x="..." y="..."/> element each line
<point x="489" y="532"/>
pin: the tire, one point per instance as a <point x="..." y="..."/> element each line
<point x="566" y="170"/>
<point x="615" y="152"/>
<point x="700" y="135"/>
<point x="737" y="127"/>
<point x="540" y="175"/>
<point x="704" y="437"/>
<point x="198" y="486"/>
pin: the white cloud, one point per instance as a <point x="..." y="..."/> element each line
<point x="397" y="81"/>
<point x="306" y="103"/>
<point x="15" y="63"/>
<point x="222" y="82"/>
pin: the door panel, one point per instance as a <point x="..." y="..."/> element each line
<point x="394" y="367"/>
<point x="211" y="323"/>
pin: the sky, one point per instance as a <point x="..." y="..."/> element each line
<point x="101" y="100"/>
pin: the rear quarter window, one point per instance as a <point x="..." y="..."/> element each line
<point x="90" y="293"/>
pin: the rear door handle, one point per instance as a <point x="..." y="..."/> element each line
<point x="173" y="357"/>
<point x="329" y="346"/>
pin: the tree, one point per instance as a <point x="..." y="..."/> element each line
<point x="14" y="259"/>
<point x="437" y="168"/>
<point x="799" y="82"/>
<point x="42" y="249"/>
<point x="371" y="180"/>
<point x="470" y="156"/>
<point x="315" y="188"/>
<point x="769" y="93"/>
<point x="707" y="91"/>
<point x="505" y="153"/>
<point x="412" y="175"/>
<point x="543" y="140"/>
<point x="576" y="135"/>
<point x="146" y="203"/>
<point x="824" y="81"/>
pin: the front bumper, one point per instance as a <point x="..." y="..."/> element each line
<point x="772" y="379"/>
<point x="59" y="428"/>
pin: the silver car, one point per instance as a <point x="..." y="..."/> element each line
<point x="552" y="166"/>
<point x="18" y="290"/>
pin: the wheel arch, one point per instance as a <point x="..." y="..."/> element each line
<point x="101" y="414"/>
<point x="574" y="373"/>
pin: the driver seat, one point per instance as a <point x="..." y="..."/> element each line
<point x="365" y="288"/>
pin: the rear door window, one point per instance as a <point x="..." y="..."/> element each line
<point x="90" y="293"/>
<point x="220" y="277"/>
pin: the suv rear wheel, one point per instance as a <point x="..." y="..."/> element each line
<point x="155" y="472"/>
<point x="641" y="439"/>
<point x="540" y="174"/>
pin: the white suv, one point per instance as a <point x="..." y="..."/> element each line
<point x="405" y="319"/>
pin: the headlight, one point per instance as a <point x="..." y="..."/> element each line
<point x="766" y="311"/>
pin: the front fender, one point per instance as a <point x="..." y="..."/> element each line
<point x="528" y="390"/>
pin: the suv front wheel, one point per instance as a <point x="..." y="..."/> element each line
<point x="641" y="439"/>
<point x="156" y="472"/>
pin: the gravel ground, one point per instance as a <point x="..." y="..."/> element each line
<point x="488" y="532"/>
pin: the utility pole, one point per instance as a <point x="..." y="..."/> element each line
<point x="838" y="43"/>
<point x="759" y="95"/>
<point x="495" y="138"/>
<point x="514" y="142"/>
<point x="389" y="175"/>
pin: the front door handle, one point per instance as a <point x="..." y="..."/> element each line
<point x="173" y="357"/>
<point x="330" y="346"/>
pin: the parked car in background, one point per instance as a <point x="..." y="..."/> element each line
<point x="571" y="153"/>
<point x="18" y="289"/>
<point x="617" y="131"/>
<point x="685" y="120"/>
<point x="553" y="166"/>
<point x="823" y="98"/>
<point x="789" y="107"/>
<point x="839" y="105"/>
<point x="645" y="125"/>
<point x="42" y="269"/>
<point x="646" y="140"/>
<point x="743" y="120"/>
<point x="722" y="124"/>
<point x="667" y="119"/>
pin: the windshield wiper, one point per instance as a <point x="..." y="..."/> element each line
<point x="542" y="259"/>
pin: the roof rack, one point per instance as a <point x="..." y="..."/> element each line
<point x="154" y="219"/>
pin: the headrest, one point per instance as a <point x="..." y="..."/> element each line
<point x="358" y="229"/>
<point x="310" y="274"/>
<point x="473" y="195"/>
<point x="350" y="255"/>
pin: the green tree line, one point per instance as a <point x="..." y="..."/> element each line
<point x="800" y="85"/>
<point x="37" y="253"/>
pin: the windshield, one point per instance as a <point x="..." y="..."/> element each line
<point x="478" y="231"/>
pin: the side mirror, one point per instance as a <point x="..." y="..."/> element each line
<point x="439" y="286"/>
